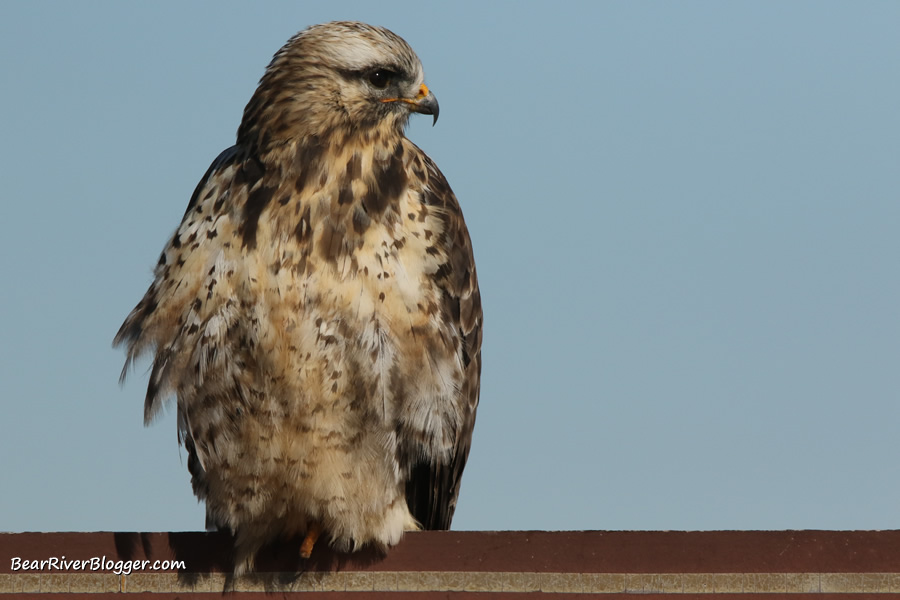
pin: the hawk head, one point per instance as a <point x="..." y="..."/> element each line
<point x="342" y="78"/>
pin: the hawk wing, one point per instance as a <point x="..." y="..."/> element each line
<point x="188" y="314"/>
<point x="433" y="485"/>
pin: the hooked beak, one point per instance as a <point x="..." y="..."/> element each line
<point x="424" y="102"/>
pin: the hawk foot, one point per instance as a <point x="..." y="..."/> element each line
<point x="312" y="534"/>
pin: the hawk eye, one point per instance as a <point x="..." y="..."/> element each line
<point x="380" y="78"/>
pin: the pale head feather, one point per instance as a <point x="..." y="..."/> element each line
<point x="318" y="85"/>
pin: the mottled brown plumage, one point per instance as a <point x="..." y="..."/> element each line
<point x="317" y="313"/>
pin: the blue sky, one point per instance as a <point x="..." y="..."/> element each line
<point x="685" y="217"/>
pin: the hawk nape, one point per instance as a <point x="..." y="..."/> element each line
<point x="317" y="312"/>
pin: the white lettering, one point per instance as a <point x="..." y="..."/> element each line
<point x="97" y="563"/>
